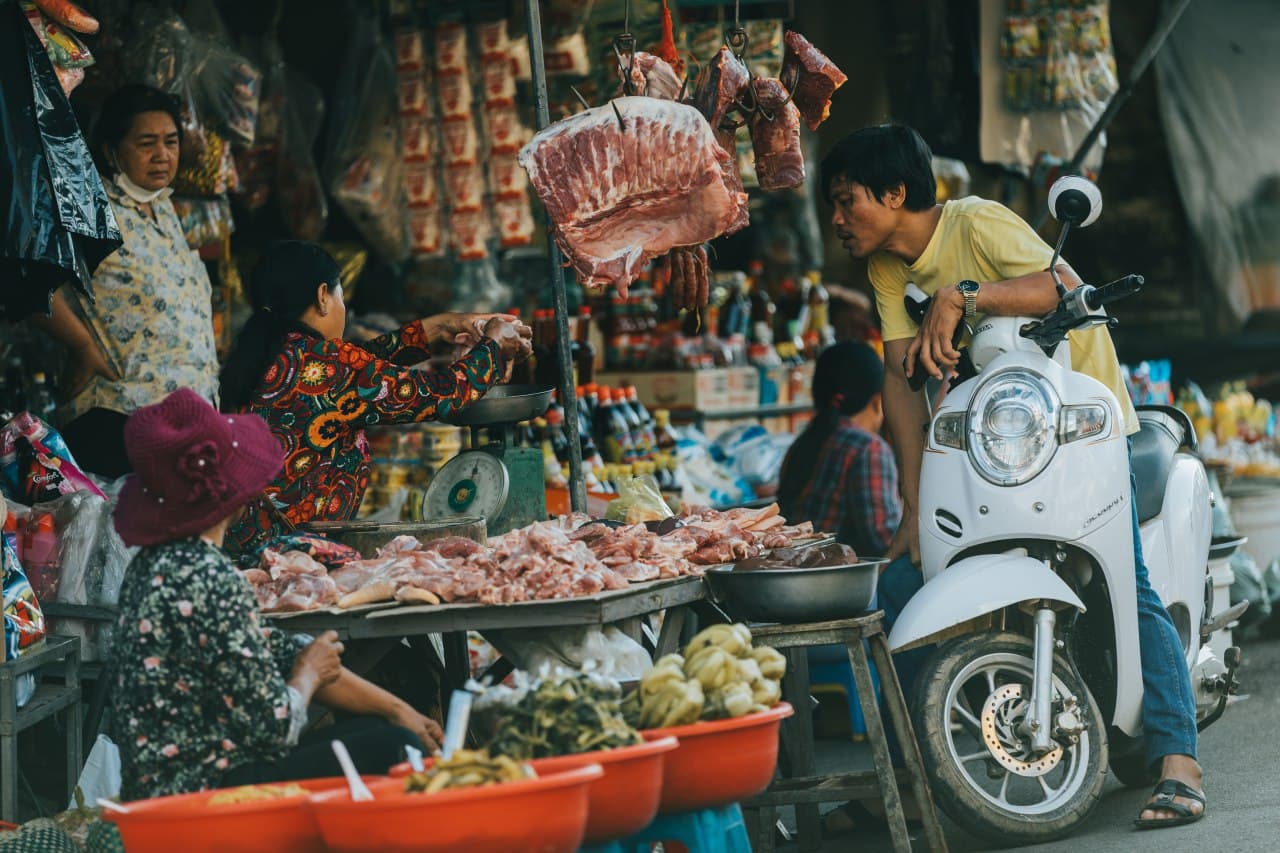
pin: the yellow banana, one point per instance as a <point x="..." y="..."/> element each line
<point x="713" y="667"/>
<point x="734" y="639"/>
<point x="772" y="663"/>
<point x="766" y="691"/>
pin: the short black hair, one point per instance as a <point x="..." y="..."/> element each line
<point x="879" y="158"/>
<point x="116" y="114"/>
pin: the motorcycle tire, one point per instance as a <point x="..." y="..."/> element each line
<point x="964" y="801"/>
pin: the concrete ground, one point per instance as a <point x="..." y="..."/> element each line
<point x="1241" y="759"/>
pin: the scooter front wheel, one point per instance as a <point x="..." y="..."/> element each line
<point x="970" y="705"/>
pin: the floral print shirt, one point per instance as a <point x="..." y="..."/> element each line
<point x="151" y="314"/>
<point x="319" y="395"/>
<point x="199" y="686"/>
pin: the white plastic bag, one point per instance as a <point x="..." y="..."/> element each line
<point x="100" y="777"/>
<point x="606" y="651"/>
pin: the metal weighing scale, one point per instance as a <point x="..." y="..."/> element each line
<point x="499" y="482"/>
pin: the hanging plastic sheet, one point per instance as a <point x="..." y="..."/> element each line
<point x="57" y="222"/>
<point x="1222" y="126"/>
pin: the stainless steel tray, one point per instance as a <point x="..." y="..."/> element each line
<point x="794" y="596"/>
<point x="506" y="404"/>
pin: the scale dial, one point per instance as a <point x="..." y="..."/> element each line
<point x="473" y="483"/>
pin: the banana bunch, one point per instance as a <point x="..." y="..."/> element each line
<point x="467" y="769"/>
<point x="719" y="676"/>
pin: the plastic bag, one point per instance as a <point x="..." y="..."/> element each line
<point x="227" y="88"/>
<point x="639" y="500"/>
<point x="365" y="171"/>
<point x="24" y="627"/>
<point x="606" y="652"/>
<point x="299" y="189"/>
<point x="205" y="221"/>
<point x="57" y="221"/>
<point x="35" y="463"/>
<point x="100" y="778"/>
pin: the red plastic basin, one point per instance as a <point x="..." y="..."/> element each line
<point x="543" y="815"/>
<point x="625" y="799"/>
<point x="719" y="762"/>
<point x="187" y="822"/>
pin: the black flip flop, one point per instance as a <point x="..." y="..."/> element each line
<point x="1164" y="794"/>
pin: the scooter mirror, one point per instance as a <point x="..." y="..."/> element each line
<point x="1075" y="201"/>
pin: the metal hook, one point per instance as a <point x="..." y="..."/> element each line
<point x="626" y="43"/>
<point x="622" y="124"/>
<point x="581" y="99"/>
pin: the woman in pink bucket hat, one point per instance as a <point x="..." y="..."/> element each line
<point x="205" y="696"/>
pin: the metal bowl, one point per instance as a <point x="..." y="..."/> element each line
<point x="795" y="596"/>
<point x="505" y="404"/>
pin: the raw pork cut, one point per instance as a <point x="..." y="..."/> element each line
<point x="810" y="77"/>
<point x="722" y="80"/>
<point x="620" y="197"/>
<point x="652" y="76"/>
<point x="775" y="136"/>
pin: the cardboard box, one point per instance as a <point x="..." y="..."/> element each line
<point x="744" y="387"/>
<point x="703" y="390"/>
<point x="775" y="387"/>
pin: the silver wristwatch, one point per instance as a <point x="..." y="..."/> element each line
<point x="969" y="290"/>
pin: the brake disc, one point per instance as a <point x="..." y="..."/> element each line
<point x="1000" y="716"/>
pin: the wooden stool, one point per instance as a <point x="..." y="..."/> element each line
<point x="48" y="700"/>
<point x="806" y="790"/>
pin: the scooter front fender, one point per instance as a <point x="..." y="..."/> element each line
<point x="975" y="587"/>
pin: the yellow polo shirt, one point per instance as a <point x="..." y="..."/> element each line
<point x="985" y="241"/>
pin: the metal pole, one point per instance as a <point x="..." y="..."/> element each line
<point x="568" y="398"/>
<point x="1157" y="40"/>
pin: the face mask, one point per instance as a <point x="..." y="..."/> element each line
<point x="137" y="193"/>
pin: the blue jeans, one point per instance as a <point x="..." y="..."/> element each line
<point x="1168" y="703"/>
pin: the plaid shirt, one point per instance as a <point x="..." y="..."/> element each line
<point x="854" y="490"/>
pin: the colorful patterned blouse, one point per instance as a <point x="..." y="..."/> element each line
<point x="151" y="314"/>
<point x="319" y="395"/>
<point x="200" y="686"/>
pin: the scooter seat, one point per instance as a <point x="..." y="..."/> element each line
<point x="1154" y="449"/>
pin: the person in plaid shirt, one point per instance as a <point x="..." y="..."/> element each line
<point x="840" y="474"/>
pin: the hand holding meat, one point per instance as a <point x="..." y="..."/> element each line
<point x="318" y="665"/>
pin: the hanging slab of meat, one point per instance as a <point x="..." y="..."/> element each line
<point x="652" y="76"/>
<point x="618" y="198"/>
<point x="810" y="77"/>
<point x="775" y="136"/>
<point x="721" y="81"/>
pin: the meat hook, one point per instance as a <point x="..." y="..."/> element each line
<point x="581" y="99"/>
<point x="622" y="124"/>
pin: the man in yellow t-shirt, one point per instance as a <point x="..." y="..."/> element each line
<point x="880" y="183"/>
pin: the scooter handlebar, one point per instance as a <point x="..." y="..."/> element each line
<point x="1115" y="291"/>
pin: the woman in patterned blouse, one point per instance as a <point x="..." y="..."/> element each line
<point x="204" y="696"/>
<point x="318" y="393"/>
<point x="148" y="331"/>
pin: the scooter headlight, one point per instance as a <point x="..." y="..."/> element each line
<point x="1013" y="425"/>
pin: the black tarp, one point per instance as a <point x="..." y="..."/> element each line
<point x="57" y="221"/>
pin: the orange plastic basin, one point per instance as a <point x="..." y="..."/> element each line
<point x="719" y="762"/>
<point x="543" y="815"/>
<point x="624" y="800"/>
<point x="187" y="822"/>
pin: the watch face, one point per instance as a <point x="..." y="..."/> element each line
<point x="967" y="287"/>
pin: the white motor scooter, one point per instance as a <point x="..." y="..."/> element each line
<point x="1026" y="538"/>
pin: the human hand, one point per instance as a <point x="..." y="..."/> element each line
<point x="87" y="363"/>
<point x="427" y="729"/>
<point x="318" y="665"/>
<point x="510" y="336"/>
<point x="907" y="539"/>
<point x="466" y="328"/>
<point x="933" y="342"/>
